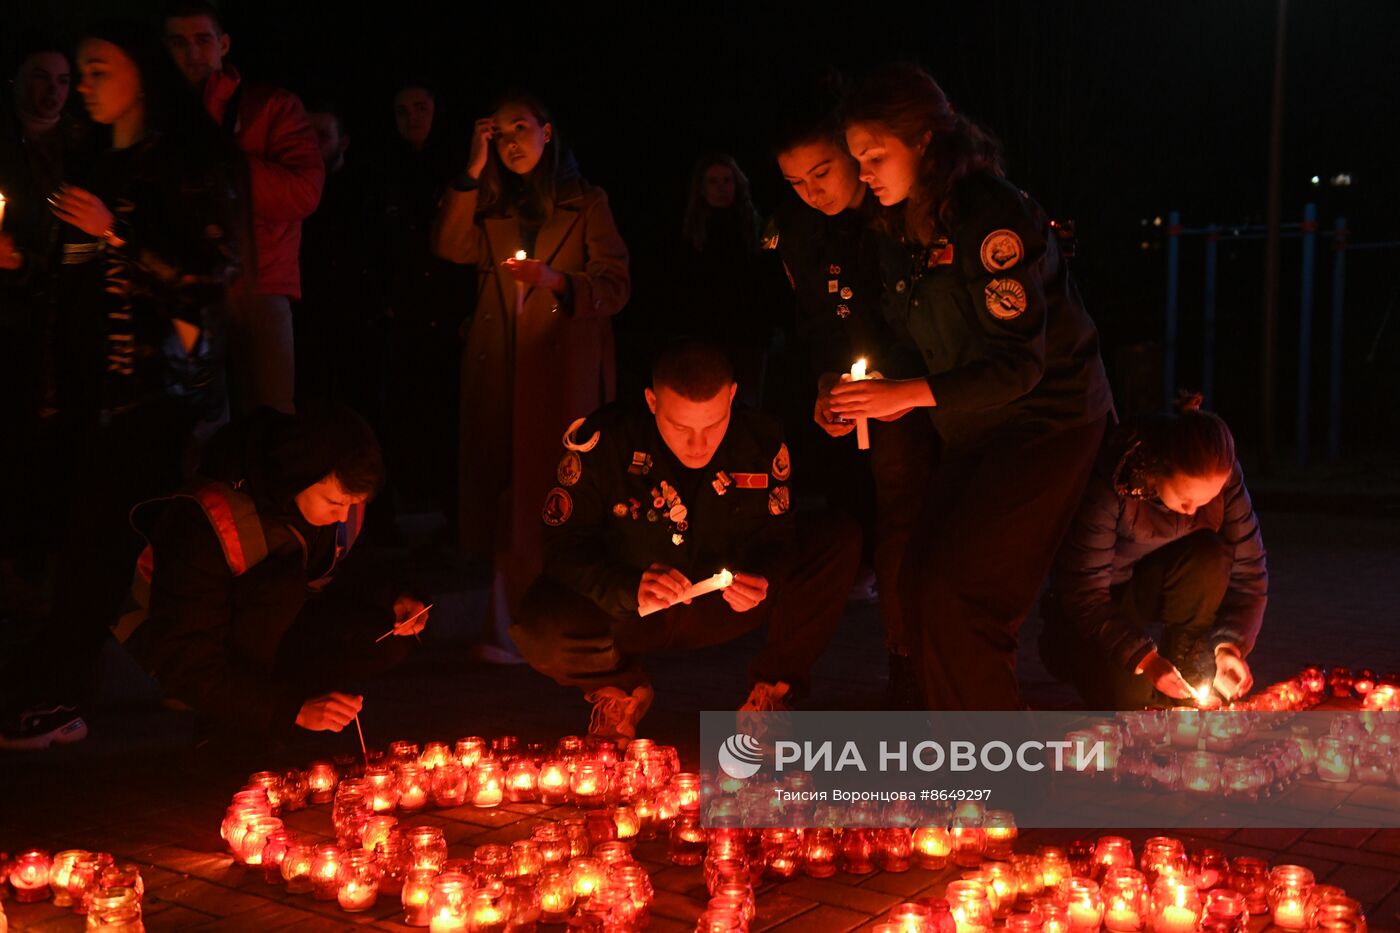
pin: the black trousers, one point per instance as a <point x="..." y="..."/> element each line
<point x="1180" y="587"/>
<point x="902" y="455"/>
<point x="989" y="529"/>
<point x="566" y="636"/>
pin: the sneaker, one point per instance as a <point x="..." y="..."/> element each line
<point x="616" y="714"/>
<point x="767" y="698"/>
<point x="41" y="726"/>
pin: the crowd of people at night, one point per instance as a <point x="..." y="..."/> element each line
<point x="234" y="347"/>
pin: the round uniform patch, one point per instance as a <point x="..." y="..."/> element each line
<point x="570" y="469"/>
<point x="620" y="510"/>
<point x="558" y="506"/>
<point x="1001" y="249"/>
<point x="778" y="500"/>
<point x="1006" y="299"/>
<point x="782" y="464"/>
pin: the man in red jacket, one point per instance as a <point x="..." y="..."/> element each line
<point x="285" y="170"/>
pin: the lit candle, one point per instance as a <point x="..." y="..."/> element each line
<point x="1290" y="886"/>
<point x="355" y="896"/>
<point x="413" y="786"/>
<point x="325" y="870"/>
<point x="416" y="887"/>
<point x="1174" y="919"/>
<point x="2" y="212"/>
<point x="932" y="845"/>
<point x="447" y="920"/>
<point x="553" y="782"/>
<point x="29" y="876"/>
<point x="556" y="891"/>
<point x="487" y="783"/>
<point x="585" y="874"/>
<point x="377" y="829"/>
<point x="520" y="256"/>
<point x="321" y="778"/>
<point x="719" y="581"/>
<point x="862" y="424"/>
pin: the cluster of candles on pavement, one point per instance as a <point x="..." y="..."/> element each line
<point x="579" y="867"/>
<point x="1188" y="749"/>
<point x="91" y="884"/>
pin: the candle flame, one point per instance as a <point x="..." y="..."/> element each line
<point x="858" y="369"/>
<point x="1202" y="693"/>
<point x="725" y="578"/>
<point x="520" y="255"/>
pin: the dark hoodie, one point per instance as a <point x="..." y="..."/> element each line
<point x="212" y="638"/>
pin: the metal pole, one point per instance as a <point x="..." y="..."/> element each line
<point x="1305" y="313"/>
<point x="1334" y="387"/>
<point x="1173" y="274"/>
<point x="1208" y="314"/>
<point x="1271" y="257"/>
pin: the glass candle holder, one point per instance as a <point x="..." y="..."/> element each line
<point x="1081" y="857"/>
<point x="585" y="874"/>
<point x="553" y="781"/>
<point x="469" y="750"/>
<point x="969" y="841"/>
<point x="29" y="875"/>
<point x="556" y="889"/>
<point x="376" y="830"/>
<point x="435" y="755"/>
<point x="782" y="852"/>
<point x="1374" y="762"/>
<point x="449" y="784"/>
<point x="427" y="847"/>
<point x="1176" y="906"/>
<point x="577" y="828"/>
<point x="272" y="782"/>
<point x="1164" y="770"/>
<point x="274" y="851"/>
<point x="487" y="785"/>
<point x="1210" y="867"/>
<point x="414" y="785"/>
<point x="59" y="870"/>
<point x="521" y="779"/>
<point x="999" y="827"/>
<point x="1085" y="903"/>
<point x="1338" y="915"/>
<point x="1162" y="853"/>
<point x="114" y="910"/>
<point x="1054" y="916"/>
<point x="1200" y="772"/>
<point x="383" y="784"/>
<point x="1290" y="886"/>
<point x="321" y="778"/>
<point x="295" y="790"/>
<point x="626" y="824"/>
<point x="357" y="883"/>
<point x="353" y="806"/>
<point x="526" y="860"/>
<point x="1125" y="900"/>
<point x="1112" y="852"/>
<point x="967" y="901"/>
<point x="601" y="827"/>
<point x="325" y="871"/>
<point x="1227" y="911"/>
<point x="417" y="888"/>
<point x="1334" y="758"/>
<point x="1250" y="877"/>
<point x="589" y="783"/>
<point x="688" y="840"/>
<point x="85" y="878"/>
<point x="1025" y="923"/>
<point x="1005" y="889"/>
<point x="449" y="903"/>
<point x="250" y="847"/>
<point x="1054" y="866"/>
<point x="491" y="863"/>
<point x="553" y="840"/>
<point x="819" y="852"/>
<point x="857" y="851"/>
<point x="687" y="787"/>
<point x="612" y="853"/>
<point x="402" y="750"/>
<point x="296" y="867"/>
<point x="932" y="846"/>
<point x="633" y="879"/>
<point x="894" y="849"/>
<point x="909" y="917"/>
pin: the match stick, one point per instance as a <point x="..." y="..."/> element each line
<point x="364" y="751"/>
<point x="404" y="622"/>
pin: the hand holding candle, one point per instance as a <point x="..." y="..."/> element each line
<point x="681" y="590"/>
<point x="857" y="374"/>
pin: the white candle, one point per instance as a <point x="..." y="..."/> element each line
<point x="718" y="582"/>
<point x="862" y="424"/>
<point x="520" y="256"/>
<point x="2" y="212"/>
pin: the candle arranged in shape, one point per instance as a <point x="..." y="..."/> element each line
<point x="862" y="424"/>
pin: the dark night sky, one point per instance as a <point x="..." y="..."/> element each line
<point x="1109" y="111"/>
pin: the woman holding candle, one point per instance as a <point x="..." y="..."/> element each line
<point x="1013" y="381"/>
<point x="1165" y="539"/>
<point x="526" y="372"/>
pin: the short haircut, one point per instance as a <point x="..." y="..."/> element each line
<point x="694" y="369"/>
<point x="182" y="8"/>
<point x="360" y="471"/>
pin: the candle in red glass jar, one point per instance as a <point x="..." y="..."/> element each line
<point x="589" y="783"/>
<point x="819" y="857"/>
<point x="469" y="750"/>
<point x="321" y="778"/>
<point x="59" y="870"/>
<point x="553" y="840"/>
<point x="486" y="787"/>
<point x="553" y="781"/>
<point x="894" y="849"/>
<point x="357" y="882"/>
<point x="29" y="876"/>
<point x="417" y="887"/>
<point x="325" y="870"/>
<point x="435" y="755"/>
<point x="521" y="780"/>
<point x="427" y="847"/>
<point x="556" y="890"/>
<point x="932" y="845"/>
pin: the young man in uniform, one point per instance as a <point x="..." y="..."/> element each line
<point x="833" y="261"/>
<point x="653" y="500"/>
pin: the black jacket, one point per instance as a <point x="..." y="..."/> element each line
<point x="614" y="512"/>
<point x="1004" y="335"/>
<point x="1114" y="529"/>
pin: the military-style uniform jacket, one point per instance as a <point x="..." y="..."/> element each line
<point x="1120" y="522"/>
<point x="623" y="502"/>
<point x="834" y="267"/>
<point x="999" y="322"/>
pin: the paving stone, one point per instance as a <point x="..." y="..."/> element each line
<point x="1349" y="856"/>
<point x="1368" y="885"/>
<point x="902" y="884"/>
<point x="822" y="918"/>
<point x="776" y="906"/>
<point x="1270" y="838"/>
<point x="678" y="906"/>
<point x="1386" y="841"/>
<point x="838" y="894"/>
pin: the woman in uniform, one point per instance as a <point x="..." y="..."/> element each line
<point x="539" y="350"/>
<point x="1014" y="385"/>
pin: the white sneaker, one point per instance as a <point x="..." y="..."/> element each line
<point x="39" y="727"/>
<point x="616" y="714"/>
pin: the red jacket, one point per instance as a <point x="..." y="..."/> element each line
<point x="284" y="166"/>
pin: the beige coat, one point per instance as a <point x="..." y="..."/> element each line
<point x="527" y="375"/>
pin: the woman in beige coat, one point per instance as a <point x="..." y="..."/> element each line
<point x="539" y="351"/>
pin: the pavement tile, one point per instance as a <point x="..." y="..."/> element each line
<point x="822" y="918"/>
<point x="902" y="884"/>
<point x="837" y="894"/>
<point x="1269" y="838"/>
<point x="1368" y="885"/>
<point x="776" y="906"/>
<point x="1386" y="841"/>
<point x="1349" y="856"/>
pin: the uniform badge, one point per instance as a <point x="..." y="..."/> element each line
<point x="722" y="482"/>
<point x="782" y="464"/>
<point x="571" y="442"/>
<point x="678" y="513"/>
<point x="1001" y="249"/>
<point x="620" y="510"/>
<point x="832" y="285"/>
<point x="677" y="539"/>
<point x="641" y="463"/>
<point x="940" y="254"/>
<point x="846" y="293"/>
<point x="652" y="515"/>
<point x="1006" y="299"/>
<point x="900" y="286"/>
<point x="634" y="508"/>
<point x="843" y="311"/>
<point x="558" y="506"/>
<point x="570" y="469"/>
<point x="778" y="500"/>
<point x="833" y="269"/>
<point x="751" y="480"/>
